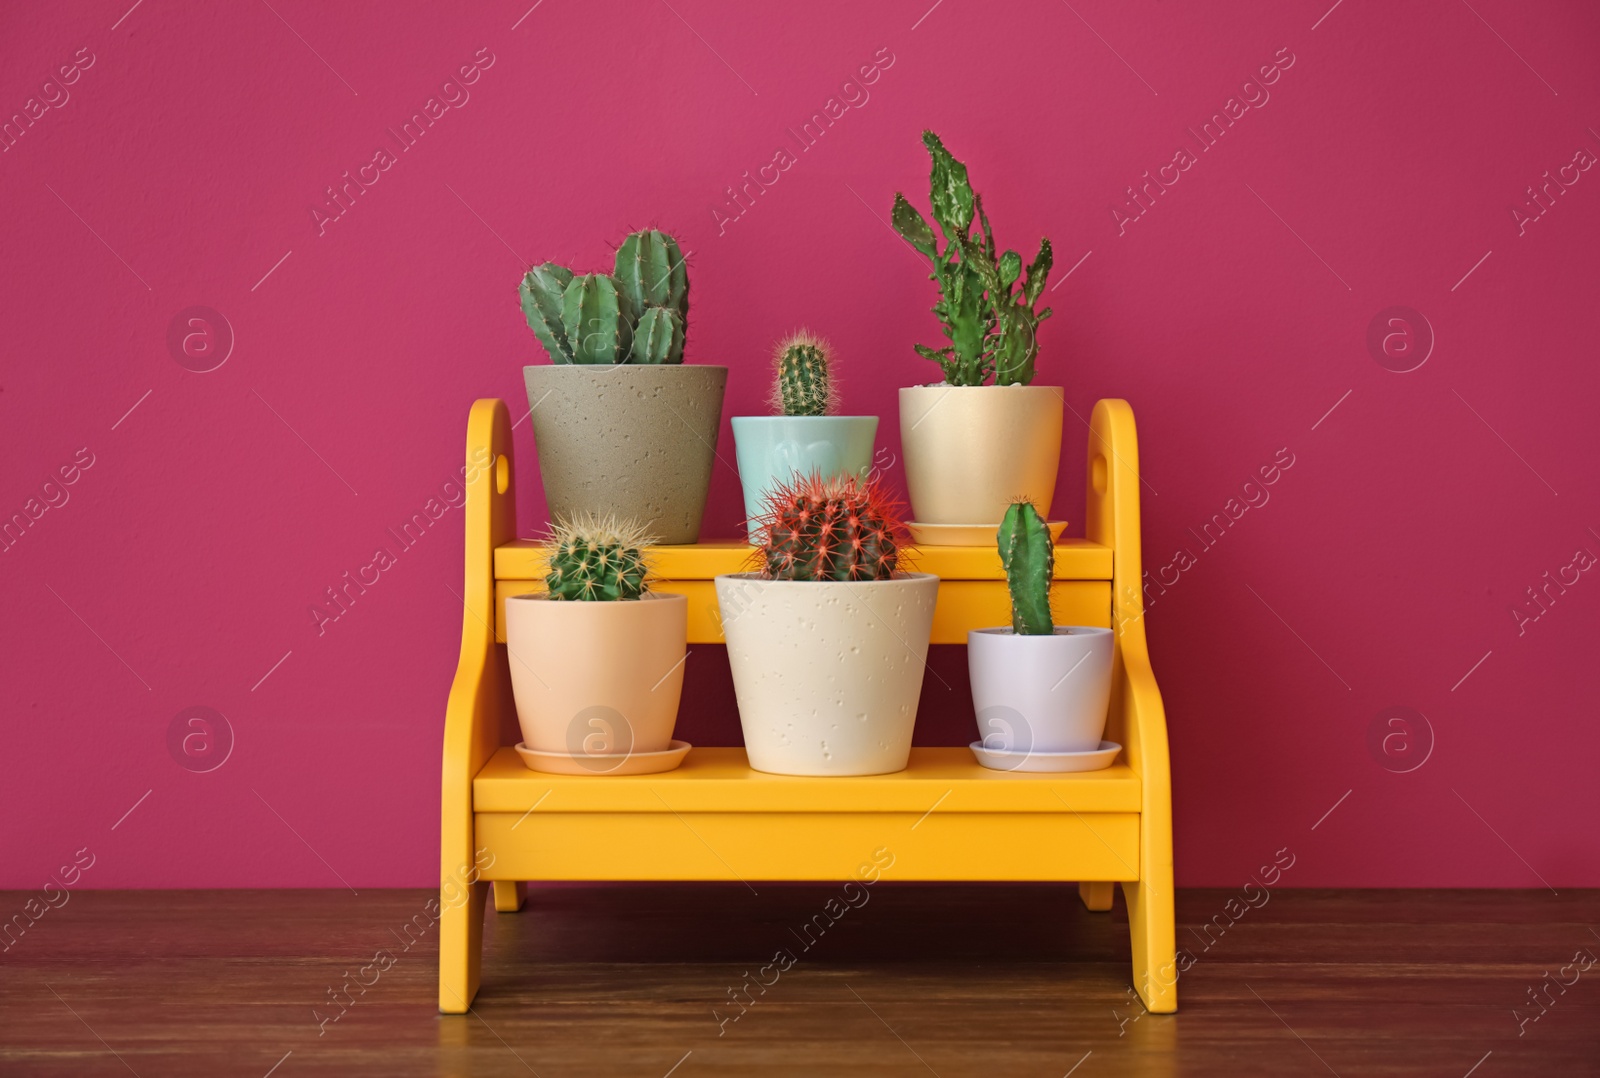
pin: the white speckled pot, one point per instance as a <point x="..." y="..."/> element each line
<point x="634" y="440"/>
<point x="827" y="674"/>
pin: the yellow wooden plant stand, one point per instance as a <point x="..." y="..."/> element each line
<point x="943" y="818"/>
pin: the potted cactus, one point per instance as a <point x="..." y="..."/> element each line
<point x="983" y="435"/>
<point x="828" y="639"/>
<point x="622" y="426"/>
<point x="803" y="435"/>
<point x="597" y="658"/>
<point x="1040" y="689"/>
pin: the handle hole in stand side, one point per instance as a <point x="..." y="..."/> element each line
<point x="1098" y="474"/>
<point x="502" y="473"/>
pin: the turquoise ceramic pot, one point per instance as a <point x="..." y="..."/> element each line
<point x="773" y="448"/>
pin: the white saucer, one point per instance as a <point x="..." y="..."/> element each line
<point x="615" y="763"/>
<point x="1009" y="760"/>
<point x="967" y="534"/>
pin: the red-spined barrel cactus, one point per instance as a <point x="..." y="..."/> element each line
<point x="841" y="528"/>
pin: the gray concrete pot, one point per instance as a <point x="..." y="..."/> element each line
<point x="634" y="440"/>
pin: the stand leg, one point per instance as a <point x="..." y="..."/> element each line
<point x="1096" y="894"/>
<point x="1150" y="924"/>
<point x="460" y="948"/>
<point x="509" y="895"/>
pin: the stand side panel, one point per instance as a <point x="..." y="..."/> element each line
<point x="1137" y="716"/>
<point x="479" y="705"/>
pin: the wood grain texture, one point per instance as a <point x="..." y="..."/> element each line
<point x="950" y="980"/>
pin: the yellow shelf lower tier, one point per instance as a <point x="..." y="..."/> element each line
<point x="936" y="819"/>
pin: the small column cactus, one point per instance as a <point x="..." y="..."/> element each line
<point x="596" y="559"/>
<point x="639" y="314"/>
<point x="803" y="382"/>
<point x="835" y="529"/>
<point x="1029" y="558"/>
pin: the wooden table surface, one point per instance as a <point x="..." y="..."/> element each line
<point x="945" y="980"/>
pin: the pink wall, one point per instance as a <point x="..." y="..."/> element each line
<point x="1382" y="171"/>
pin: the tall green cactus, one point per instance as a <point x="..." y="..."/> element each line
<point x="640" y="314"/>
<point x="1029" y="558"/>
<point x="541" y="291"/>
<point x="598" y="320"/>
<point x="596" y="559"/>
<point x="993" y="333"/>
<point x="650" y="269"/>
<point x="803" y="384"/>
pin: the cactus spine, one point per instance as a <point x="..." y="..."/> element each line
<point x="842" y="528"/>
<point x="804" y="381"/>
<point x="1029" y="558"/>
<point x="993" y="330"/>
<point x="596" y="559"/>
<point x="604" y="320"/>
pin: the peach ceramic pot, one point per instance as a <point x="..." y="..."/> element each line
<point x="970" y="451"/>
<point x="827" y="673"/>
<point x="597" y="678"/>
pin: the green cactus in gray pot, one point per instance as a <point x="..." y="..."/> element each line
<point x="651" y="270"/>
<point x="541" y="292"/>
<point x="598" y="319"/>
<point x="640" y="314"/>
<point x="658" y="338"/>
<point x="1029" y="558"/>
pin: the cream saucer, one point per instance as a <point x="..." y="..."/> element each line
<point x="617" y="763"/>
<point x="1009" y="760"/>
<point x="967" y="534"/>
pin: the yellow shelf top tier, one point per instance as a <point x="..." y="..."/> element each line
<point x="1076" y="559"/>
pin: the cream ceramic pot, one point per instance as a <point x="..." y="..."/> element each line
<point x="597" y="678"/>
<point x="1041" y="693"/>
<point x="827" y="674"/>
<point x="970" y="451"/>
